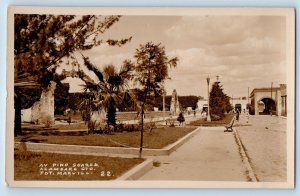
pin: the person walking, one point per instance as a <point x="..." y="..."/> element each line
<point x="180" y="118"/>
<point x="237" y="115"/>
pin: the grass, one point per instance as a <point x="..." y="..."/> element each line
<point x="124" y="116"/>
<point x="202" y="122"/>
<point x="28" y="166"/>
<point x="72" y="126"/>
<point x="158" y="138"/>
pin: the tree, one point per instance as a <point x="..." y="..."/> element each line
<point x="43" y="42"/>
<point x="188" y="101"/>
<point x="219" y="102"/>
<point x="158" y="102"/>
<point x="151" y="69"/>
<point x="108" y="91"/>
<point x="185" y="101"/>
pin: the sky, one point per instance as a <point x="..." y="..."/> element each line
<point x="244" y="51"/>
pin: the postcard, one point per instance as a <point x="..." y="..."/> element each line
<point x="150" y="97"/>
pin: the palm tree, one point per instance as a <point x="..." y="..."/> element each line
<point x="107" y="92"/>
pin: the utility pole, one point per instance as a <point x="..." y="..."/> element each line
<point x="248" y="95"/>
<point x="271" y="98"/>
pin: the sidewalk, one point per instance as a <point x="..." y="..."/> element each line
<point x="211" y="155"/>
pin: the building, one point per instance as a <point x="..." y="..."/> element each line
<point x="269" y="101"/>
<point x="283" y="100"/>
<point x="202" y="105"/>
<point x="239" y="103"/>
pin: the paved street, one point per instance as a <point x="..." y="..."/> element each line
<point x="211" y="154"/>
<point x="264" y="138"/>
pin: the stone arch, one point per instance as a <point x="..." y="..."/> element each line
<point x="269" y="105"/>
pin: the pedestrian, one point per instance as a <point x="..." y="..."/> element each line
<point x="69" y="120"/>
<point x="180" y="118"/>
<point x="194" y="113"/>
<point x="247" y="115"/>
<point x="237" y="115"/>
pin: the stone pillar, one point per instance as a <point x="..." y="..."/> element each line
<point x="174" y="106"/>
<point x="278" y="103"/>
<point x="256" y="104"/>
<point x="42" y="112"/>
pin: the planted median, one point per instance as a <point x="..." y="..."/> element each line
<point x="156" y="139"/>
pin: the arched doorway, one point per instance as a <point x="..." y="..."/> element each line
<point x="238" y="107"/>
<point x="266" y="106"/>
<point x="204" y="108"/>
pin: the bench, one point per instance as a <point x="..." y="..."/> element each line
<point x="229" y="126"/>
<point x="170" y="122"/>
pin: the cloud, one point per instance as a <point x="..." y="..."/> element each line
<point x="236" y="73"/>
<point x="249" y="46"/>
<point x="245" y="51"/>
<point x="196" y="60"/>
<point x="219" y="30"/>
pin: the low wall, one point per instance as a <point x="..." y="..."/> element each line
<point x="102" y="150"/>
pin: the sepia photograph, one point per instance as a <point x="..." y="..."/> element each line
<point x="150" y="97"/>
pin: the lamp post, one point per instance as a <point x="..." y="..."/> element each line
<point x="208" y="114"/>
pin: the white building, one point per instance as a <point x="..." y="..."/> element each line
<point x="202" y="105"/>
<point x="239" y="103"/>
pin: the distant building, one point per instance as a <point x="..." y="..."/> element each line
<point x="269" y="100"/>
<point x="239" y="103"/>
<point x="202" y="105"/>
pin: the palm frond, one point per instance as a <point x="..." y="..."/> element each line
<point x="93" y="68"/>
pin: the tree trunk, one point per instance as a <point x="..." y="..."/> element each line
<point x="18" y="120"/>
<point x="142" y="133"/>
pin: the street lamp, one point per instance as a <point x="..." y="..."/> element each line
<point x="208" y="114"/>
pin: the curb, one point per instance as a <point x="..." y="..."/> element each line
<point x="245" y="159"/>
<point x="137" y="171"/>
<point x="283" y="117"/>
<point x="172" y="147"/>
<point x="102" y="150"/>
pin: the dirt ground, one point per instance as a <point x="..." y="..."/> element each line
<point x="264" y="138"/>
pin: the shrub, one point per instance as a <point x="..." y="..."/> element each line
<point x="48" y="121"/>
<point x="92" y="125"/>
<point x="215" y="117"/>
<point x="131" y="127"/>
